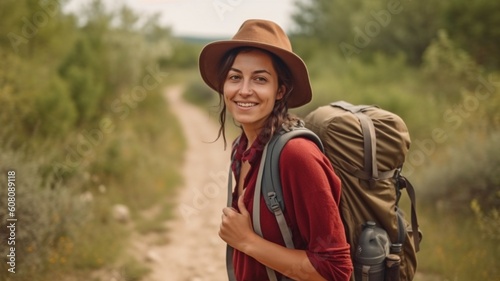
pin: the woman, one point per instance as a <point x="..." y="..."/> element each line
<point x="258" y="78"/>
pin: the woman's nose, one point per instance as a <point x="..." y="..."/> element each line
<point x="245" y="88"/>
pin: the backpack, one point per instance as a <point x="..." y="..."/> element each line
<point x="367" y="147"/>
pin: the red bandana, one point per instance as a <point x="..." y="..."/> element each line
<point x="240" y="153"/>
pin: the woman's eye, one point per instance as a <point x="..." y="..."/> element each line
<point x="261" y="79"/>
<point x="233" y="77"/>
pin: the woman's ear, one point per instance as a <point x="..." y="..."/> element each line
<point x="281" y="92"/>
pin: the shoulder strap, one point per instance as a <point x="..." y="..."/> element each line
<point x="405" y="183"/>
<point x="256" y="211"/>
<point x="229" y="249"/>
<point x="269" y="184"/>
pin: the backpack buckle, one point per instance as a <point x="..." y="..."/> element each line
<point x="399" y="183"/>
<point x="273" y="200"/>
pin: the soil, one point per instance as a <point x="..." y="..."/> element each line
<point x="194" y="251"/>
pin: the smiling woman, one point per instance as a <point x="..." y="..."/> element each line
<point x="258" y="77"/>
<point x="251" y="89"/>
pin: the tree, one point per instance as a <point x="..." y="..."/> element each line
<point x="364" y="27"/>
<point x="474" y="25"/>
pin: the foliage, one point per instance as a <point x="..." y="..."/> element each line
<point x="80" y="110"/>
<point x="199" y="93"/>
<point x="488" y="221"/>
<point x="54" y="215"/>
<point x="85" y="81"/>
<point x="444" y="62"/>
<point x="186" y="55"/>
<point x="361" y="28"/>
<point x="454" y="248"/>
<point x="315" y="19"/>
<point x="474" y="26"/>
<point x="40" y="105"/>
<point x="462" y="179"/>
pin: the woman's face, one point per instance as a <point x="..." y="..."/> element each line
<point x="251" y="89"/>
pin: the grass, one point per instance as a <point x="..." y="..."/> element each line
<point x="151" y="222"/>
<point x="133" y="270"/>
<point x="454" y="248"/>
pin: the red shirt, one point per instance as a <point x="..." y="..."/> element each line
<point x="311" y="192"/>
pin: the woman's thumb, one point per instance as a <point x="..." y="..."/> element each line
<point x="241" y="205"/>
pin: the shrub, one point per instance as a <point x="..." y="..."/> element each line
<point x="450" y="68"/>
<point x="48" y="216"/>
<point x="469" y="170"/>
<point x="200" y="94"/>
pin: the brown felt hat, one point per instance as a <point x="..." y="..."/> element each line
<point x="265" y="35"/>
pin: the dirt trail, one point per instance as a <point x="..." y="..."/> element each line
<point x="194" y="251"/>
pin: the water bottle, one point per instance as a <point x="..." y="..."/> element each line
<point x="393" y="262"/>
<point x="369" y="259"/>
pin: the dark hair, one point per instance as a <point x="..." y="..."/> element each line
<point x="279" y="115"/>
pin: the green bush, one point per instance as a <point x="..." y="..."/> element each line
<point x="49" y="215"/>
<point x="197" y="92"/>
<point x="82" y="71"/>
<point x="55" y="110"/>
<point x="450" y="68"/>
<point x="454" y="247"/>
<point x="36" y="103"/>
<point x="469" y="170"/>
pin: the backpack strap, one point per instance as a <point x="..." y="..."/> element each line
<point x="274" y="199"/>
<point x="269" y="184"/>
<point x="256" y="213"/>
<point x="229" y="249"/>
<point x="271" y="181"/>
<point x="405" y="183"/>
<point x="369" y="138"/>
<point x="369" y="142"/>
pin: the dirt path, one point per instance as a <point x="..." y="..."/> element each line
<point x="194" y="251"/>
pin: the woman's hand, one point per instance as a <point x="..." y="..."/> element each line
<point x="236" y="230"/>
<point x="236" y="227"/>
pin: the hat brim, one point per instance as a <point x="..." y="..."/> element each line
<point x="212" y="54"/>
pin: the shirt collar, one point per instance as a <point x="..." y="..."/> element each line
<point x="252" y="155"/>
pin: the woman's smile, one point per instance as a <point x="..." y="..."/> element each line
<point x="246" y="104"/>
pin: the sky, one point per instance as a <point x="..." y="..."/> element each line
<point x="206" y="18"/>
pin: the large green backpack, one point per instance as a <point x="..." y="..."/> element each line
<point x="367" y="147"/>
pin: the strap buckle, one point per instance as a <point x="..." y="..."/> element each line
<point x="275" y="205"/>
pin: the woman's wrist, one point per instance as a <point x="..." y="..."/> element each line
<point x="248" y="245"/>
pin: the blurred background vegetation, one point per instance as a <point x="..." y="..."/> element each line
<point x="85" y="126"/>
<point x="87" y="130"/>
